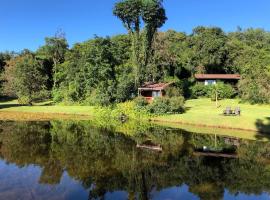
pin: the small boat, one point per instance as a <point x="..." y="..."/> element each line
<point x="150" y="146"/>
<point x="215" y="152"/>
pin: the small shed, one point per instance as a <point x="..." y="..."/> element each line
<point x="152" y="90"/>
<point x="211" y="79"/>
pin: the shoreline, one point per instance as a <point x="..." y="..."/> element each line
<point x="206" y="125"/>
<point x="39" y="116"/>
<point x="43" y="116"/>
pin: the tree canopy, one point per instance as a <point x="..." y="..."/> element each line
<point x="101" y="71"/>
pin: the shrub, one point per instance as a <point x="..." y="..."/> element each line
<point x="57" y="95"/>
<point x="254" y="90"/>
<point x="177" y="104"/>
<point x="199" y="90"/>
<point x="140" y="102"/>
<point x="24" y="100"/>
<point x="125" y="89"/>
<point x="173" y="91"/>
<point x="166" y="105"/>
<point x="98" y="98"/>
<point x="159" y="106"/>
<point x="224" y="91"/>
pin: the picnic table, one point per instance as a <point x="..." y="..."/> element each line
<point x="229" y="112"/>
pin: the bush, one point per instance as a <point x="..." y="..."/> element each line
<point x="173" y="91"/>
<point x="98" y="98"/>
<point x="159" y="106"/>
<point x="225" y="91"/>
<point x="140" y="102"/>
<point x="255" y="91"/>
<point x="177" y="104"/>
<point x="25" y="100"/>
<point x="125" y="89"/>
<point x="57" y="95"/>
<point x="166" y="105"/>
<point x="199" y="90"/>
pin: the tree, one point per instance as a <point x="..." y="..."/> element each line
<point x="88" y="73"/>
<point x="54" y="51"/>
<point x="4" y="58"/>
<point x="248" y="54"/>
<point x="132" y="13"/>
<point x="25" y="78"/>
<point x="208" y="45"/>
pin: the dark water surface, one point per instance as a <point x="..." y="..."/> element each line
<point x="85" y="160"/>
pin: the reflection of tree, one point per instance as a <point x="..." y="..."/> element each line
<point x="52" y="172"/>
<point x="105" y="160"/>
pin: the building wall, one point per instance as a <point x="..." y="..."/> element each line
<point x="226" y="81"/>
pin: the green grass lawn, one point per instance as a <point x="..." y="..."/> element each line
<point x="45" y="107"/>
<point x="204" y="112"/>
<point x="200" y="112"/>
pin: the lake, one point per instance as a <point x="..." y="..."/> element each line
<point x="92" y="160"/>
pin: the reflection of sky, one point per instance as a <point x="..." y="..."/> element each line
<point x="228" y="196"/>
<point x="119" y="195"/>
<point x="174" y="193"/>
<point x="23" y="183"/>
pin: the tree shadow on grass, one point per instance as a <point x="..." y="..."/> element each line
<point x="263" y="128"/>
<point x="4" y="99"/>
<point x="3" y="106"/>
<point x="48" y="104"/>
<point x="5" y="103"/>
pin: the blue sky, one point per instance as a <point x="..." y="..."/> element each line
<point x="25" y="23"/>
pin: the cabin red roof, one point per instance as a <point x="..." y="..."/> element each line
<point x="217" y="76"/>
<point x="154" y="86"/>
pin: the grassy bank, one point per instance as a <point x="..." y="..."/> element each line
<point x="11" y="110"/>
<point x="199" y="112"/>
<point x="203" y="112"/>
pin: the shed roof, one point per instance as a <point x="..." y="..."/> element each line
<point x="154" y="86"/>
<point x="218" y="76"/>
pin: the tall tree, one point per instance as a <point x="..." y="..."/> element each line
<point x="4" y="58"/>
<point x="208" y="45"/>
<point x="54" y="50"/>
<point x="132" y="13"/>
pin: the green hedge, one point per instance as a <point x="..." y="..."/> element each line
<point x="162" y="105"/>
<point x="224" y="91"/>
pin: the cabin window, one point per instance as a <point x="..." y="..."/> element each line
<point x="156" y="94"/>
<point x="210" y="82"/>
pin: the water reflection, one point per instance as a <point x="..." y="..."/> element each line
<point x="87" y="160"/>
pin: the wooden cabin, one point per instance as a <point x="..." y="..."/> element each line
<point x="212" y="79"/>
<point x="152" y="90"/>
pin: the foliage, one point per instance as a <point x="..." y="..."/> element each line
<point x="4" y="58"/>
<point x="177" y="104"/>
<point x="199" y="90"/>
<point x="166" y="105"/>
<point x="53" y="54"/>
<point x="173" y="91"/>
<point x="254" y="85"/>
<point x="26" y="79"/>
<point x="89" y="70"/>
<point x="224" y="91"/>
<point x="132" y="13"/>
<point x="209" y="47"/>
<point x="104" y="71"/>
<point x="140" y="102"/>
<point x="63" y="146"/>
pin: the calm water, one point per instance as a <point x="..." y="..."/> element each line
<point x="85" y="160"/>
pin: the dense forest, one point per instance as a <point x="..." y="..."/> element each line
<point x="103" y="71"/>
